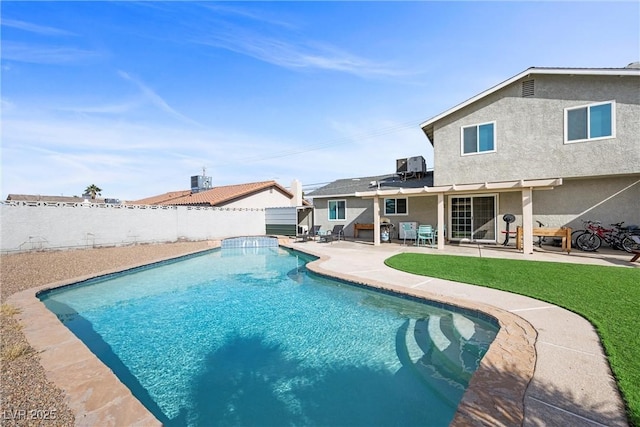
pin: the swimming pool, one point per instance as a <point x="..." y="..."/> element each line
<point x="250" y="337"/>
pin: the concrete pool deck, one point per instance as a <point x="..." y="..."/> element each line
<point x="548" y="367"/>
<point x="570" y="381"/>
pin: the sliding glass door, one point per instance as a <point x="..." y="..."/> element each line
<point x="473" y="218"/>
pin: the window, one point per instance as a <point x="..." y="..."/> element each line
<point x="396" y="207"/>
<point x="595" y="121"/>
<point x="337" y="210"/>
<point x="478" y="138"/>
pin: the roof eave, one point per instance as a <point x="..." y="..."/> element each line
<point x="427" y="126"/>
<point x="465" y="188"/>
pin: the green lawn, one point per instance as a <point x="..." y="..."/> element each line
<point x="609" y="297"/>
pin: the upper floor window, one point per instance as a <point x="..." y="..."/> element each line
<point x="337" y="210"/>
<point x="396" y="207"/>
<point x="587" y="122"/>
<point x="478" y="138"/>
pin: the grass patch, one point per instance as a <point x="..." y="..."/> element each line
<point x="609" y="297"/>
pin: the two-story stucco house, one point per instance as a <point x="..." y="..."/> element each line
<point x="555" y="145"/>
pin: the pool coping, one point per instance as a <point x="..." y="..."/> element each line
<point x="496" y="394"/>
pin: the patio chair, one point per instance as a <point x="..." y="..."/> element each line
<point x="314" y="232"/>
<point x="435" y="233"/>
<point x="425" y="234"/>
<point x="309" y="235"/>
<point x="406" y="229"/>
<point x="332" y="235"/>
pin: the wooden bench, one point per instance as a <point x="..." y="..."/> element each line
<point x="635" y="257"/>
<point x="357" y="227"/>
<point x="565" y="233"/>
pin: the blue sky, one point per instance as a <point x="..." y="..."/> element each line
<point x="136" y="97"/>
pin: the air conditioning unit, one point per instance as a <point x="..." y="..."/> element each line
<point x="412" y="167"/>
<point x="407" y="230"/>
<point x="401" y="166"/>
<point x="416" y="165"/>
<point x="200" y="183"/>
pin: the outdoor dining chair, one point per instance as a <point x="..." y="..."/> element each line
<point x="425" y="234"/>
<point x="406" y="229"/>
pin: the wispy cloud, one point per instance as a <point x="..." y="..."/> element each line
<point x="243" y="12"/>
<point x="35" y="54"/>
<point x="156" y="99"/>
<point x="114" y="108"/>
<point x="309" y="55"/>
<point x="35" y="28"/>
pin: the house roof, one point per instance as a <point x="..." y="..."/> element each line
<point x="215" y="196"/>
<point x="630" y="70"/>
<point x="161" y="198"/>
<point x="50" y="199"/>
<point x="350" y="186"/>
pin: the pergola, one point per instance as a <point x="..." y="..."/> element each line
<point x="525" y="187"/>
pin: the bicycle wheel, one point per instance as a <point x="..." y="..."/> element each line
<point x="630" y="243"/>
<point x="574" y="235"/>
<point x="588" y="242"/>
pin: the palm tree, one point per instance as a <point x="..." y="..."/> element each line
<point x="93" y="190"/>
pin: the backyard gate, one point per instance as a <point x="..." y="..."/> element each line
<point x="288" y="221"/>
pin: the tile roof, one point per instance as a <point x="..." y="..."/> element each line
<point x="216" y="196"/>
<point x="52" y="199"/>
<point x="161" y="198"/>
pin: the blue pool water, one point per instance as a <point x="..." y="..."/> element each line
<point x="250" y="337"/>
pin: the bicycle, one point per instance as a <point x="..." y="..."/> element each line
<point x="618" y="238"/>
<point x="541" y="239"/>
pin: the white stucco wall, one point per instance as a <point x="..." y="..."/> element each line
<point x="56" y="226"/>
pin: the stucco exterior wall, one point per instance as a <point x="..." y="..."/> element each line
<point x="269" y="198"/>
<point x="421" y="209"/>
<point x="44" y="226"/>
<point x="529" y="133"/>
<point x="609" y="200"/>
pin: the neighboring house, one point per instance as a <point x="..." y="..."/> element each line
<point x="56" y="199"/>
<point x="262" y="194"/>
<point x="573" y="132"/>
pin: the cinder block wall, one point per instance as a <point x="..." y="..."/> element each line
<point x="42" y="226"/>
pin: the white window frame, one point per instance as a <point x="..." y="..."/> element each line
<point x="329" y="209"/>
<point x="588" y="107"/>
<point x="384" y="203"/>
<point x="477" y="125"/>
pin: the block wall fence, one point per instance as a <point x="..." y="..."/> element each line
<point x="29" y="226"/>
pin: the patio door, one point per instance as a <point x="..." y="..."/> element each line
<point x="473" y="218"/>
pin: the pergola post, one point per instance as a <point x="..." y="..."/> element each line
<point x="527" y="220"/>
<point x="440" y="229"/>
<point x="376" y="221"/>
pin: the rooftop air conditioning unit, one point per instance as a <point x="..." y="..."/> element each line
<point x="412" y="167"/>
<point x="200" y="183"/>
<point x="401" y="166"/>
<point x="417" y="165"/>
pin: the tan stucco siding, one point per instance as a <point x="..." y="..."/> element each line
<point x="270" y="198"/>
<point x="529" y="133"/>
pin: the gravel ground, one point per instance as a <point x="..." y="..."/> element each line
<point x="27" y="398"/>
